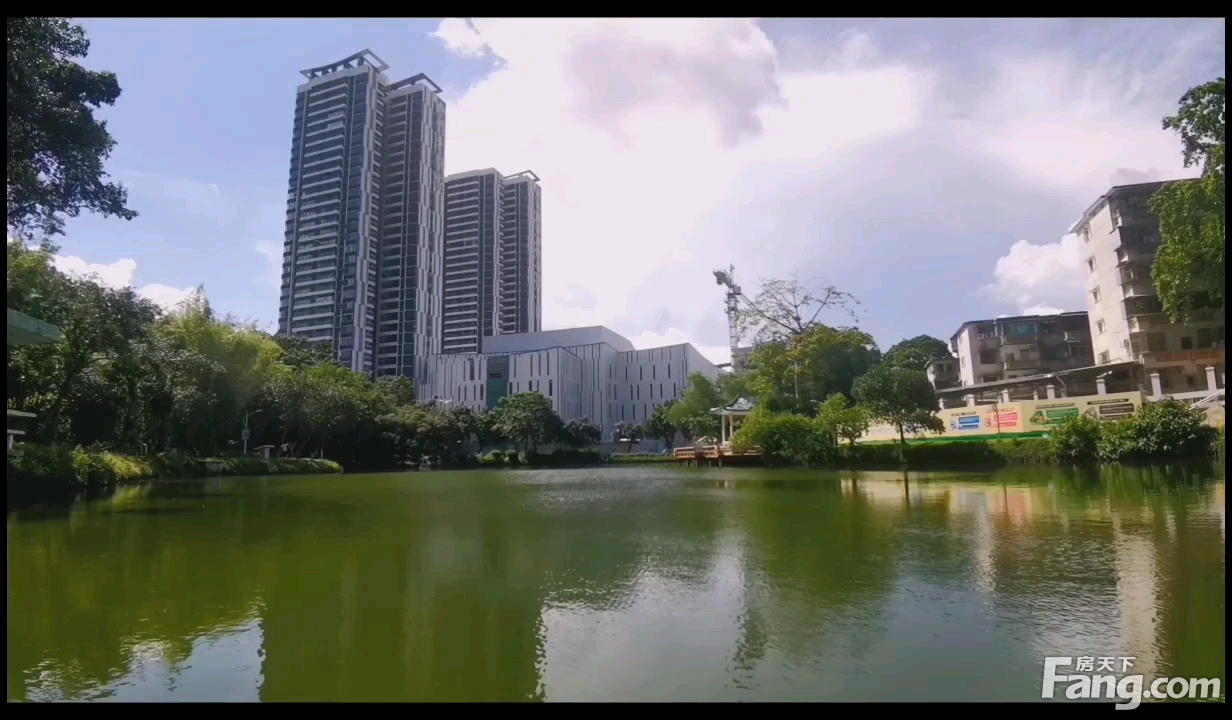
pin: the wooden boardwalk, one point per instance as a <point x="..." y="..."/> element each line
<point x="714" y="455"/>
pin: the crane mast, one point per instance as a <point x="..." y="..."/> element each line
<point x="728" y="278"/>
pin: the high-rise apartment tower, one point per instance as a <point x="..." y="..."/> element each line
<point x="493" y="269"/>
<point x="363" y="253"/>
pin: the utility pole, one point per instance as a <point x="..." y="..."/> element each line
<point x="245" y="433"/>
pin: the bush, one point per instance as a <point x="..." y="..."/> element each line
<point x="1076" y="439"/>
<point x="1158" y="431"/>
<point x="513" y="459"/>
<point x="60" y="468"/>
<point x="786" y="438"/>
<point x="562" y="456"/>
<point x="1172" y="429"/>
<point x="992" y="453"/>
<point x="494" y="458"/>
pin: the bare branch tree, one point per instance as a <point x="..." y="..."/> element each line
<point x="785" y="308"/>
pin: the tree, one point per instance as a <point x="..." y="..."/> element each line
<point x="56" y="146"/>
<point x="797" y="375"/>
<point x="914" y="354"/>
<point x="298" y="352"/>
<point x="1189" y="267"/>
<point x="843" y="420"/>
<point x="581" y="434"/>
<point x="627" y="432"/>
<point x="784" y="438"/>
<point x="659" y="426"/>
<point x="785" y="308"/>
<point x="527" y="420"/>
<point x="901" y="397"/>
<point x="692" y="414"/>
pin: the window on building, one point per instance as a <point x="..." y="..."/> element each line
<point x="990" y="378"/>
<point x="549" y="387"/>
<point x="988" y="357"/>
<point x="1095" y="295"/>
<point x="1099" y="327"/>
<point x="1206" y="337"/>
<point x="1090" y="264"/>
<point x="1103" y="358"/>
<point x="1187" y="343"/>
<point x="1158" y="342"/>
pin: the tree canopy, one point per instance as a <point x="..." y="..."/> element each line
<point x="797" y="375"/>
<point x="528" y="420"/>
<point x="128" y="377"/>
<point x="692" y="414"/>
<point x="784" y="308"/>
<point x="56" y="145"/>
<point x="914" y="354"/>
<point x="900" y="397"/>
<point x="1189" y="267"/>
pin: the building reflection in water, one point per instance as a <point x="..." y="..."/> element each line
<point x="762" y="586"/>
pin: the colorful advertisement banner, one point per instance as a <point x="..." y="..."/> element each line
<point x="1019" y="417"/>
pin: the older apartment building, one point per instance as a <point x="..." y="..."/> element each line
<point x="1014" y="347"/>
<point x="1118" y="239"/>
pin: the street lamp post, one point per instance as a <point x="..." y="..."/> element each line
<point x="245" y="433"/>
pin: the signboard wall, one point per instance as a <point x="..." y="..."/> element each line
<point x="1019" y="418"/>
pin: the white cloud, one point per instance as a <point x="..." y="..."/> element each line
<point x="460" y="37"/>
<point x="638" y="129"/>
<point x="1042" y="310"/>
<point x="1040" y="276"/>
<point x="646" y="131"/>
<point x="119" y="274"/>
<point x="165" y="296"/>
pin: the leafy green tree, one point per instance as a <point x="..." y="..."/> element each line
<point x="627" y="432"/>
<point x="580" y="434"/>
<point x="797" y="375"/>
<point x="659" y="426"/>
<point x="56" y="145"/>
<point x="299" y="353"/>
<point x="900" y="397"/>
<point x="398" y="390"/>
<point x="528" y="420"/>
<point x="842" y="419"/>
<point x="1076" y="439"/>
<point x="1189" y="267"/>
<point x="692" y="414"/>
<point x="785" y="438"/>
<point x="914" y="354"/>
<point x="1158" y="431"/>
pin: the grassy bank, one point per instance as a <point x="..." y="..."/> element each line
<point x="618" y="458"/>
<point x="946" y="455"/>
<point x="40" y="470"/>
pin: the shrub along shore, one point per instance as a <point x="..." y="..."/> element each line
<point x="42" y="472"/>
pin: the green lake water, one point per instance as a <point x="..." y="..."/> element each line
<point x="618" y="583"/>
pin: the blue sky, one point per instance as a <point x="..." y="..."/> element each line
<point x="929" y="167"/>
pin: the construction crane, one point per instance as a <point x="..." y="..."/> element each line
<point x="728" y="277"/>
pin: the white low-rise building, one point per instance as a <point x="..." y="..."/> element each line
<point x="589" y="372"/>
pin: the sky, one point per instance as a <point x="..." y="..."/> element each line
<point x="931" y="168"/>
